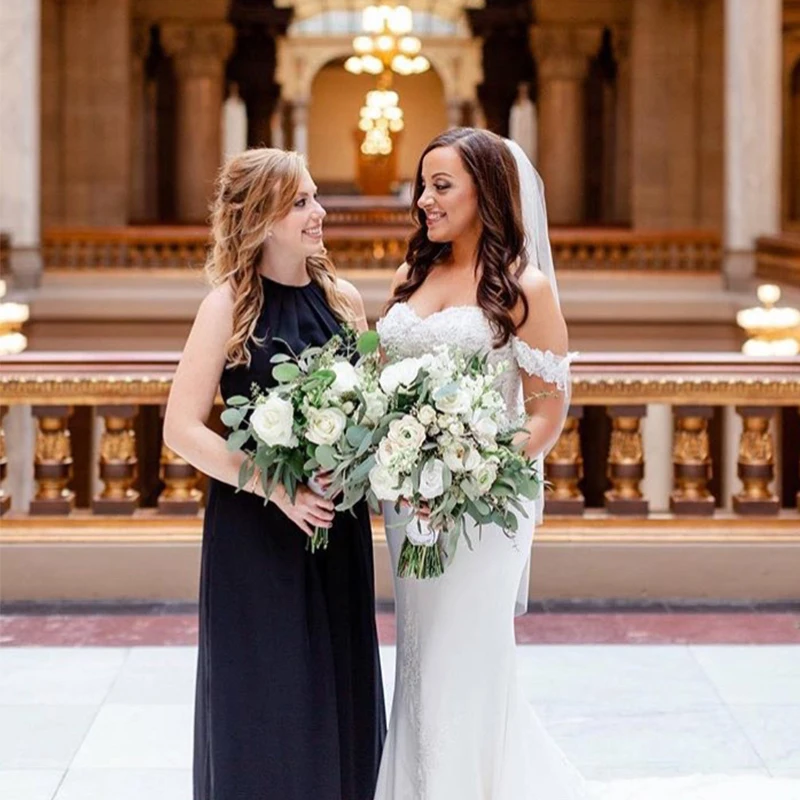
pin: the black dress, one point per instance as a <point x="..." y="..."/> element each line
<point x="289" y="699"/>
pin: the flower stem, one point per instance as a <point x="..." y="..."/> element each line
<point x="419" y="561"/>
<point x="319" y="541"/>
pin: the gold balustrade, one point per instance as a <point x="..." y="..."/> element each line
<point x="778" y="258"/>
<point x="624" y="250"/>
<point x="361" y="237"/>
<point x="620" y="386"/>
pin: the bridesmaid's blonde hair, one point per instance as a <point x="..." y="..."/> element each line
<point x="256" y="189"/>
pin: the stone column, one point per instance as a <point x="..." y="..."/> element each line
<point x="455" y="113"/>
<point x="200" y="51"/>
<point x="140" y="44"/>
<point x="20" y="24"/>
<point x="300" y="126"/>
<point x="621" y="211"/>
<point x="753" y="59"/>
<point x="562" y="55"/>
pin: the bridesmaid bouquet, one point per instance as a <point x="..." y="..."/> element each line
<point x="445" y="444"/>
<point x="318" y="418"/>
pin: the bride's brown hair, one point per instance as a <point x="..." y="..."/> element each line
<point x="501" y="255"/>
<point x="254" y="190"/>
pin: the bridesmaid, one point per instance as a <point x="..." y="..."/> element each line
<point x="289" y="700"/>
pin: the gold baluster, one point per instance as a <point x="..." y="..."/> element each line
<point x="52" y="465"/>
<point x="118" y="462"/>
<point x="180" y="495"/>
<point x="564" y="468"/>
<point x="626" y="462"/>
<point x="756" y="464"/>
<point x="691" y="457"/>
<point x="5" y="500"/>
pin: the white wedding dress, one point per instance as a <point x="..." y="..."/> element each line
<point x="460" y="728"/>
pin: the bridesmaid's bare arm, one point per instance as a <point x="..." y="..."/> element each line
<point x="356" y="303"/>
<point x="194" y="388"/>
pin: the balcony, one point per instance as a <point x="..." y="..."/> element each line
<point x="676" y="476"/>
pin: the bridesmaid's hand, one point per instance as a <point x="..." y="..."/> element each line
<point x="308" y="511"/>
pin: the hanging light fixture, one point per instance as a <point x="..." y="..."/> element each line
<point x="387" y="43"/>
<point x="773" y="331"/>
<point x="12" y="317"/>
<point x="380" y="116"/>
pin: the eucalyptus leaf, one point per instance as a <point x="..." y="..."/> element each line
<point x="246" y="471"/>
<point x="284" y="373"/>
<point x="237" y="439"/>
<point x="238" y="400"/>
<point x="366" y="443"/>
<point x="232" y="417"/>
<point x="362" y="470"/>
<point x="326" y="456"/>
<point x="356" y="434"/>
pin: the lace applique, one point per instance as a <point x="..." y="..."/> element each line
<point x="411" y="687"/>
<point x="404" y="334"/>
<point x="549" y="366"/>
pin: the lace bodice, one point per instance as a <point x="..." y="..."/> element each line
<point x="404" y="334"/>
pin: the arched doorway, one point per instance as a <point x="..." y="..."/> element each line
<point x="333" y="136"/>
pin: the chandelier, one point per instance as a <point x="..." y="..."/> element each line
<point x="387" y="43"/>
<point x="380" y="117"/>
<point x="12" y="316"/>
<point x="772" y="331"/>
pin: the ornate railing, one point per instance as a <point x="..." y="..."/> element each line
<point x="619" y="250"/>
<point x="375" y="238"/>
<point x="778" y="258"/>
<point x="724" y="410"/>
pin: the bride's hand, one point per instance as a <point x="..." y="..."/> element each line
<point x="308" y="511"/>
<point x="321" y="480"/>
<point x="423" y="512"/>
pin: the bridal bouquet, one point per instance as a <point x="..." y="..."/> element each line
<point x="318" y="418"/>
<point x="444" y="444"/>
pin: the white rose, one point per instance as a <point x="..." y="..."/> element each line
<point x="453" y="455"/>
<point x="325" y="426"/>
<point x="387" y="450"/>
<point x="452" y="401"/>
<point x="431" y="479"/>
<point x="427" y="415"/>
<point x="272" y="422"/>
<point x="406" y="433"/>
<point x="346" y="378"/>
<point x="484" y="427"/>
<point x="485" y="476"/>
<point x="384" y="484"/>
<point x="456" y="429"/>
<point x="460" y="457"/>
<point x="472" y="459"/>
<point x="401" y="373"/>
<point x="377" y="406"/>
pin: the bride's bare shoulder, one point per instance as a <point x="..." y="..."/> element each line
<point x="534" y="284"/>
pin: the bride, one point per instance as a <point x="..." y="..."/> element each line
<point x="479" y="275"/>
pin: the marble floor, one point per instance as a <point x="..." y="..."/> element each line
<point x="114" y="722"/>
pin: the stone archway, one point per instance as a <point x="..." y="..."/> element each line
<point x="456" y="60"/>
<point x="336" y="96"/>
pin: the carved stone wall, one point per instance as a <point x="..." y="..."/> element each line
<point x="85" y="111"/>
